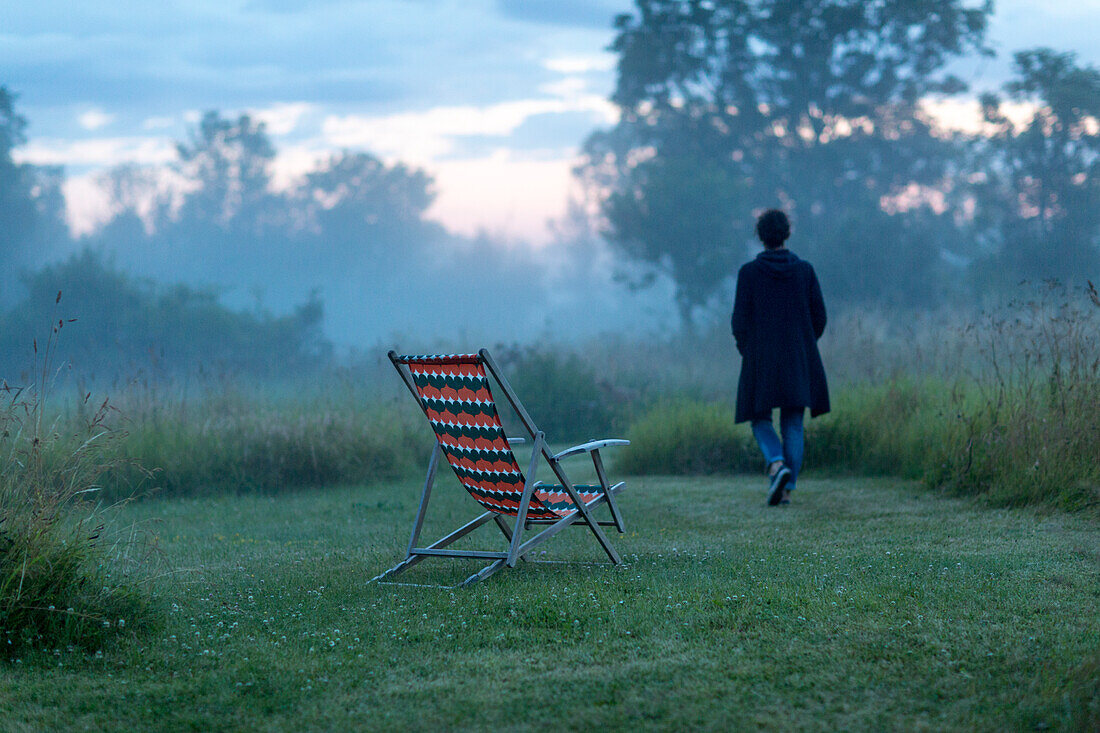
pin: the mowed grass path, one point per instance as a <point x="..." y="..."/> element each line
<point x="868" y="604"/>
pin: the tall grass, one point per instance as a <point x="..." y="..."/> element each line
<point x="236" y="441"/>
<point x="1002" y="405"/>
<point x="1033" y="433"/>
<point x="892" y="429"/>
<point x="64" y="581"/>
<point x="1007" y="407"/>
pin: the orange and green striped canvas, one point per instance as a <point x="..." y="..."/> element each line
<point x="454" y="392"/>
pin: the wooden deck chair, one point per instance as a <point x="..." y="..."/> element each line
<point x="455" y="395"/>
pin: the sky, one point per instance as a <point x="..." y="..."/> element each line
<point x="492" y="97"/>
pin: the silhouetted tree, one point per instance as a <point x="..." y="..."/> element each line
<point x="1039" y="193"/>
<point x="355" y="206"/>
<point x="230" y="162"/>
<point x="133" y="196"/>
<point x="224" y="226"/>
<point x="125" y="326"/>
<point x="31" y="203"/>
<point x="807" y="104"/>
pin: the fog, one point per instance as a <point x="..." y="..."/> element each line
<point x="723" y="111"/>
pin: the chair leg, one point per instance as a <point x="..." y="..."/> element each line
<point x="429" y="481"/>
<point x="418" y="522"/>
<point x="484" y="573"/>
<point x="593" y="525"/>
<point x="525" y="501"/>
<point x="439" y="544"/>
<point x="597" y="461"/>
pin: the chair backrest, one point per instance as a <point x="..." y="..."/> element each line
<point x="454" y="392"/>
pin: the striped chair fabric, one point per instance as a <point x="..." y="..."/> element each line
<point x="454" y="392"/>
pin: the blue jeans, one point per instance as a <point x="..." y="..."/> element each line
<point x="790" y="450"/>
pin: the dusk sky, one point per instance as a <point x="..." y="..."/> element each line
<point x="492" y="97"/>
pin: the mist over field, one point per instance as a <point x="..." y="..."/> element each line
<point x="910" y="191"/>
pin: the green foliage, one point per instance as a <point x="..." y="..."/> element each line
<point x="874" y="430"/>
<point x="31" y="204"/>
<point x="1039" y="187"/>
<point x="356" y="191"/>
<point x="125" y="326"/>
<point x="1033" y="432"/>
<point x="686" y="199"/>
<point x="899" y="427"/>
<point x="1016" y="424"/>
<point x="352" y="225"/>
<point x="812" y="106"/>
<point x="560" y="390"/>
<point x="1008" y="448"/>
<point x="688" y="438"/>
<point x="230" y="160"/>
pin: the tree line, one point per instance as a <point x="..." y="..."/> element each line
<point x="727" y="107"/>
<point x="153" y="287"/>
<point x="204" y="264"/>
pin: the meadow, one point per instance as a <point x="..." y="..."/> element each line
<point x="197" y="557"/>
<point x="867" y="604"/>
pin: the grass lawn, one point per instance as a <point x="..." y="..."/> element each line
<point x="867" y="604"/>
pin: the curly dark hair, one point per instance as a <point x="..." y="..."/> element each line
<point x="773" y="228"/>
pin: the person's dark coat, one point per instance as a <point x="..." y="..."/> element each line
<point x="778" y="316"/>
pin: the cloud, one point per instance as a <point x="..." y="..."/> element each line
<point x="965" y="115"/>
<point x="479" y="195"/>
<point x="583" y="13"/>
<point x="157" y="123"/>
<point x="295" y="161"/>
<point x="570" y="86"/>
<point x="288" y="6"/>
<point x="421" y="137"/>
<point x="94" y="119"/>
<point x="102" y="152"/>
<point x="556" y="133"/>
<point x="581" y="64"/>
<point x="283" y="118"/>
<point x="145" y="60"/>
<point x="87" y="206"/>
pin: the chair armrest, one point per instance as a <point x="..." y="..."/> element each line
<point x="592" y="445"/>
<point x="516" y="441"/>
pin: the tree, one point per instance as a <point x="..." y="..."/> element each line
<point x="812" y="105"/>
<point x="226" y="219"/>
<point x="230" y="162"/>
<point x="134" y="197"/>
<point x="1040" y="195"/>
<point x="126" y="325"/>
<point x="31" y="204"/>
<point x="355" y="201"/>
<point x="351" y="226"/>
<point x="685" y="200"/>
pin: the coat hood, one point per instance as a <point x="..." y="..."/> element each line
<point x="778" y="263"/>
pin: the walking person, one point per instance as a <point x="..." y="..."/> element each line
<point x="778" y="316"/>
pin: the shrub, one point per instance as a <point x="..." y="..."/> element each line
<point x="688" y="438"/>
<point x="560" y="391"/>
<point x="127" y="324"/>
<point x="898" y="427"/>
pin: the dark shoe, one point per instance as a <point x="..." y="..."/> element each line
<point x="786" y="500"/>
<point x="778" y="486"/>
